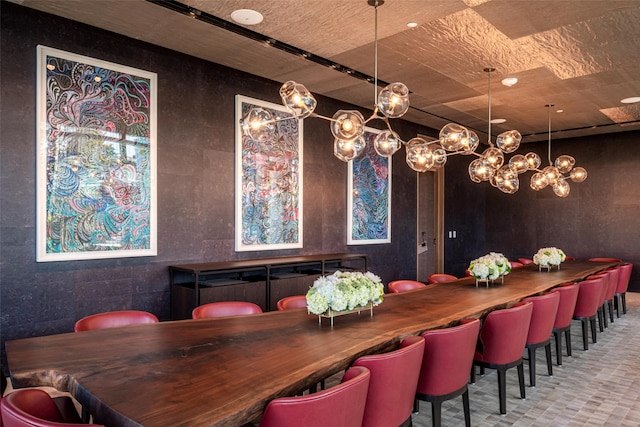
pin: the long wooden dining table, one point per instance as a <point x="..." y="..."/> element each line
<point x="222" y="372"/>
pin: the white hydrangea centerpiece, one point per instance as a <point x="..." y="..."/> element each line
<point x="343" y="291"/>
<point x="547" y="257"/>
<point x="490" y="266"/>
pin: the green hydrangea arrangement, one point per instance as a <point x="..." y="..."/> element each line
<point x="342" y="291"/>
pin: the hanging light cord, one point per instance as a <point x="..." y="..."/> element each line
<point x="375" y="57"/>
<point x="549" y="118"/>
<point x="489" y="101"/>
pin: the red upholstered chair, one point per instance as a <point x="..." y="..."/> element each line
<point x="342" y="405"/>
<point x="295" y="301"/>
<point x="525" y="261"/>
<point x="612" y="285"/>
<point x="224" y="309"/>
<point x="545" y="308"/>
<point x="392" y="388"/>
<point x="602" y="318"/>
<point x="398" y="286"/>
<point x="605" y="259"/>
<point x="441" y="278"/>
<point x="113" y="319"/>
<point x="33" y="407"/>
<point x="589" y="299"/>
<point x="569" y="258"/>
<point x="621" y="290"/>
<point x="448" y="356"/>
<point x="515" y="264"/>
<point x="502" y="339"/>
<point x="568" y="297"/>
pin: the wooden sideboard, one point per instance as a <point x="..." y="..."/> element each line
<point x="262" y="281"/>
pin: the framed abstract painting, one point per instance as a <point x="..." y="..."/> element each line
<point x="268" y="179"/>
<point x="96" y="158"/>
<point x="369" y="196"/>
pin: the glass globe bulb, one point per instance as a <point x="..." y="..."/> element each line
<point x="387" y="143"/>
<point x="258" y="124"/>
<point x="519" y="163"/>
<point x="393" y="100"/>
<point x="419" y="155"/>
<point x="298" y="100"/>
<point x="470" y="144"/>
<point x="509" y="141"/>
<point x="539" y="181"/>
<point x="508" y="181"/>
<point x="453" y="137"/>
<point x="552" y="173"/>
<point x="439" y="157"/>
<point x="562" y="188"/>
<point x="534" y="160"/>
<point x="578" y="174"/>
<point x="565" y="163"/>
<point x="348" y="149"/>
<point x="494" y="157"/>
<point x="480" y="170"/>
<point x="347" y="124"/>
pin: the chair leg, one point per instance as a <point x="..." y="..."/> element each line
<point x="436" y="412"/>
<point x="502" y="392"/>
<point x="521" y="379"/>
<point x="416" y="406"/>
<point x="472" y="377"/>
<point x="610" y="306"/>
<point x="624" y="303"/>
<point x="567" y="335"/>
<point x="593" y="331"/>
<point x="585" y="333"/>
<point x="465" y="405"/>
<point x="532" y="366"/>
<point x="616" y="304"/>
<point x="602" y="320"/>
<point x="547" y="349"/>
<point x="558" y="338"/>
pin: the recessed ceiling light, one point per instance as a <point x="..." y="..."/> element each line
<point x="412" y="24"/>
<point x="631" y="100"/>
<point x="559" y="111"/>
<point x="246" y="16"/>
<point x="498" y="121"/>
<point x="510" y="81"/>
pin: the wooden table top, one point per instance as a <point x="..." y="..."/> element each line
<point x="222" y="372"/>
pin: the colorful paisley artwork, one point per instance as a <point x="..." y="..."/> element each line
<point x="98" y="158"/>
<point x="370" y="196"/>
<point x="271" y="186"/>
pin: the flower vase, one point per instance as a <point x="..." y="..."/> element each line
<point x="548" y="267"/>
<point x="330" y="314"/>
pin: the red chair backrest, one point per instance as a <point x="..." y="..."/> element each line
<point x="614" y="276"/>
<point x="398" y="286"/>
<point x="605" y="278"/>
<point x="589" y="297"/>
<point x="342" y="405"/>
<point x="623" y="278"/>
<point x="294" y="301"/>
<point x="568" y="297"/>
<point x="392" y="388"/>
<point x="224" y="309"/>
<point x="605" y="259"/>
<point x="569" y="258"/>
<point x="448" y="356"/>
<point x="504" y="333"/>
<point x="545" y="308"/>
<point x="441" y="278"/>
<point x="32" y="408"/>
<point x="525" y="261"/>
<point x="114" y="319"/>
<point x="515" y="264"/>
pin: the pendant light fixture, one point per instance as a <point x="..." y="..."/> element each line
<point x="554" y="174"/>
<point x="490" y="165"/>
<point x="348" y="126"/>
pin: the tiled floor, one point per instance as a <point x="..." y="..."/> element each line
<point x="598" y="387"/>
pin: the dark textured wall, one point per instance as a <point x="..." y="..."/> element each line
<point x="598" y="218"/>
<point x="195" y="166"/>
